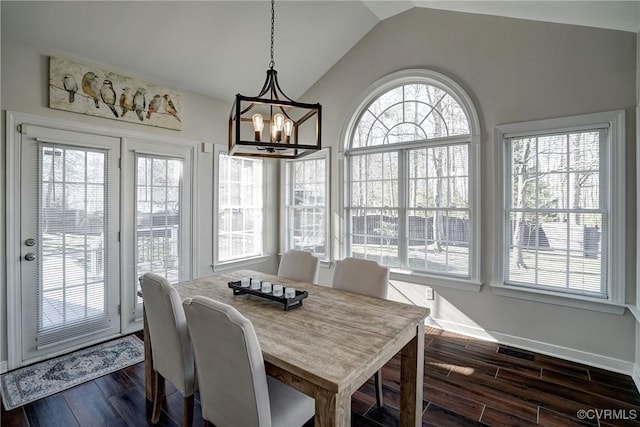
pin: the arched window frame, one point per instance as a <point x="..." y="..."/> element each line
<point x="373" y="92"/>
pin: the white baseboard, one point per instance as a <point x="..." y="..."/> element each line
<point x="579" y="356"/>
<point x="4" y="366"/>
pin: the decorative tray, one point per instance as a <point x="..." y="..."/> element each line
<point x="289" y="303"/>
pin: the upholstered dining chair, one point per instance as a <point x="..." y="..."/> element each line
<point x="367" y="278"/>
<point x="299" y="265"/>
<point x="170" y="344"/>
<point x="234" y="387"/>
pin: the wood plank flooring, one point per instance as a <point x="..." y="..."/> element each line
<point x="466" y="383"/>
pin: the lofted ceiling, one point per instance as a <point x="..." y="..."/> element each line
<point x="220" y="48"/>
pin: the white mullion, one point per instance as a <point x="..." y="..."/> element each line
<point x="403" y="187"/>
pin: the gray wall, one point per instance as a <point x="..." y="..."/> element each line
<point x="514" y="70"/>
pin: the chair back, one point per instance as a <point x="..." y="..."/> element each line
<point x="170" y="342"/>
<point x="361" y="276"/>
<point x="231" y="373"/>
<point x="299" y="265"/>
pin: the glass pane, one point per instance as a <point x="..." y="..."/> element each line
<point x="416" y="111"/>
<point x="240" y="208"/>
<point x="438" y="241"/>
<point x="453" y="115"/>
<point x="418" y="193"/>
<point x="405" y="132"/>
<point x="552" y="153"/>
<point x="386" y="100"/>
<point x="375" y="236"/>
<point x="158" y="217"/>
<point x="556" y="232"/>
<point x="362" y="130"/>
<point x="391" y="116"/>
<point x="73" y="235"/>
<point x="408" y="113"/>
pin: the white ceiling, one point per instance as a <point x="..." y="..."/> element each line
<point x="220" y="48"/>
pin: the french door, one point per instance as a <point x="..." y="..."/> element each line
<point x="89" y="210"/>
<point x="156" y="217"/>
<point x="69" y="250"/>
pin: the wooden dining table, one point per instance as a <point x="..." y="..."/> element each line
<point x="328" y="347"/>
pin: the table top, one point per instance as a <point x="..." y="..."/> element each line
<point x="336" y="340"/>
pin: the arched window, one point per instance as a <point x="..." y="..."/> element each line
<point x="412" y="177"/>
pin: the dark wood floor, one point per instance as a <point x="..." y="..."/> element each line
<point x="466" y="383"/>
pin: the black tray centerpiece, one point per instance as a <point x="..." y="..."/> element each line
<point x="288" y="303"/>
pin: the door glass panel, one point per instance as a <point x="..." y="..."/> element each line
<point x="72" y="228"/>
<point x="158" y="218"/>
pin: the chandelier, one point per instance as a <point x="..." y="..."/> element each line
<point x="293" y="129"/>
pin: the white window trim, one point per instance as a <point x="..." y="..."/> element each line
<point x="242" y="261"/>
<point x="325" y="154"/>
<point x="615" y="121"/>
<point x="386" y="83"/>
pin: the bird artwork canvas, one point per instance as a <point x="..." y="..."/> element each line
<point x="91" y="90"/>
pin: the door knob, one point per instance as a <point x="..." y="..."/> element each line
<point x="30" y="256"/>
<point x="30" y="242"/>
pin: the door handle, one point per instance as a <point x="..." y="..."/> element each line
<point x="30" y="256"/>
<point x="30" y="242"/>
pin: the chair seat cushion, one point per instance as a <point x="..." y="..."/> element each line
<point x="289" y="407"/>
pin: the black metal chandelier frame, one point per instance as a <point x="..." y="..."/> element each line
<point x="272" y="96"/>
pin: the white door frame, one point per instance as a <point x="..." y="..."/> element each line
<point x="13" y="246"/>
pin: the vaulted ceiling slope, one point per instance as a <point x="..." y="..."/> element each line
<point x="220" y="48"/>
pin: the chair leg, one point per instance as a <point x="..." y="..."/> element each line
<point x="378" y="380"/>
<point x="187" y="411"/>
<point x="157" y="398"/>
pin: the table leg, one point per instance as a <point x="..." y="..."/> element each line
<point x="411" y="380"/>
<point x="149" y="377"/>
<point x="332" y="409"/>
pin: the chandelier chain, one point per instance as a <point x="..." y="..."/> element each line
<point x="272" y="63"/>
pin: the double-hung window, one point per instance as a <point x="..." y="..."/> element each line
<point x="562" y="227"/>
<point x="306" y="218"/>
<point x="240" y="208"/>
<point x="412" y="181"/>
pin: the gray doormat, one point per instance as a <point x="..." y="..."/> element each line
<point x="25" y="385"/>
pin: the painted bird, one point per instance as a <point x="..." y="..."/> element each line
<point x="154" y="105"/>
<point x="140" y="102"/>
<point x="126" y="100"/>
<point x="170" y="107"/>
<point x="90" y="86"/>
<point x="71" y="86"/>
<point x="108" y="96"/>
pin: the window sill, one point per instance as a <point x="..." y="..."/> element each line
<point x="241" y="263"/>
<point x="573" y="301"/>
<point x="635" y="311"/>
<point x="429" y="280"/>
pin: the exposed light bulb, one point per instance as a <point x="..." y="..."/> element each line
<point x="274" y="132"/>
<point x="288" y="127"/>
<point x="276" y="129"/>
<point x="279" y="120"/>
<point x="258" y="125"/>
